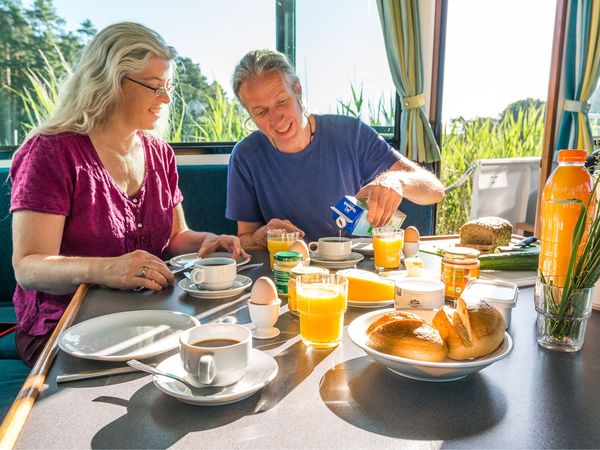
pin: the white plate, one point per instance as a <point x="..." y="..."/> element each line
<point x="363" y="245"/>
<point x="372" y="304"/>
<point x="261" y="371"/>
<point x="240" y="283"/>
<point x="182" y="260"/>
<point x="126" y="335"/>
<point x="448" y="370"/>
<point x="352" y="260"/>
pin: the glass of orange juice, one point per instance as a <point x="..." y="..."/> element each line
<point x="280" y="240"/>
<point x="387" y="247"/>
<point x="321" y="300"/>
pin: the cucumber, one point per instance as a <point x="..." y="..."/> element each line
<point x="510" y="261"/>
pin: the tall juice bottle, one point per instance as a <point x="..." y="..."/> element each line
<point x="570" y="180"/>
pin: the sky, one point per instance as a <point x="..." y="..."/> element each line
<point x="497" y="52"/>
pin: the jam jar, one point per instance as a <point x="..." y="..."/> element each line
<point x="459" y="266"/>
<point x="283" y="262"/>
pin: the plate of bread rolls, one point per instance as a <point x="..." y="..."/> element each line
<point x="434" y="345"/>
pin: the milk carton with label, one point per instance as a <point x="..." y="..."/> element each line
<point x="350" y="214"/>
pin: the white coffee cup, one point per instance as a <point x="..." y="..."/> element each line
<point x="332" y="248"/>
<point x="216" y="354"/>
<point x="214" y="273"/>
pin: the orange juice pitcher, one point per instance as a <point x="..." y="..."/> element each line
<point x="570" y="180"/>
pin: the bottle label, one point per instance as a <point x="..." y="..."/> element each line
<point x="456" y="278"/>
<point x="281" y="281"/>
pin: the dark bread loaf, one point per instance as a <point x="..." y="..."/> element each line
<point x="492" y="231"/>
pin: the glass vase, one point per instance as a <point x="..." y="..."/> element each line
<point x="562" y="315"/>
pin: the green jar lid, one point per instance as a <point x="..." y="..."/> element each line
<point x="288" y="256"/>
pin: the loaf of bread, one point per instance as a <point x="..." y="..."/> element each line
<point x="472" y="330"/>
<point x="408" y="336"/>
<point x="492" y="231"/>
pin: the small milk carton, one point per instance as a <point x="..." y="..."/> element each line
<point x="350" y="214"/>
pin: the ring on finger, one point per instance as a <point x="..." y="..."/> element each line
<point x="143" y="272"/>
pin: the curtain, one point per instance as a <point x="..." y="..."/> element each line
<point x="582" y="69"/>
<point x="401" y="27"/>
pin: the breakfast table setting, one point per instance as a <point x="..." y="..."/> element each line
<point x="283" y="391"/>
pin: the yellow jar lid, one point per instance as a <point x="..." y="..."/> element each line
<point x="304" y="270"/>
<point x="461" y="252"/>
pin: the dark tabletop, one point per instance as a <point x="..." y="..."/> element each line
<point x="340" y="398"/>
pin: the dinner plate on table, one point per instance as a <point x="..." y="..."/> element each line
<point x="261" y="371"/>
<point x="448" y="370"/>
<point x="182" y="260"/>
<point x="240" y="283"/>
<point x="363" y="246"/>
<point x="126" y="335"/>
<point x="352" y="260"/>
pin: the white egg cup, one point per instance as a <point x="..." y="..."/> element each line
<point x="264" y="317"/>
<point x="410" y="249"/>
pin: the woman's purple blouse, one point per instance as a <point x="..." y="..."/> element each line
<point x="62" y="174"/>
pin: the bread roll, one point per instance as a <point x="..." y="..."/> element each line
<point x="394" y="315"/>
<point x="408" y="336"/>
<point x="472" y="330"/>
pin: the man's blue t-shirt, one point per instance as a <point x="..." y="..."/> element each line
<point x="264" y="183"/>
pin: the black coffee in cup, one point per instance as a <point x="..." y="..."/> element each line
<point x="211" y="343"/>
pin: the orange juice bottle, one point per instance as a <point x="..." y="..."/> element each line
<point x="570" y="180"/>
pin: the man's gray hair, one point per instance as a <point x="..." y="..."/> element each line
<point x="258" y="62"/>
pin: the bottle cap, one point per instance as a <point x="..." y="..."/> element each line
<point x="572" y="155"/>
<point x="288" y="256"/>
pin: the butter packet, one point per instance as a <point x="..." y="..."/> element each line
<point x="350" y="214"/>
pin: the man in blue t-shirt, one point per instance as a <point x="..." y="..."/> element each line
<point x="288" y="174"/>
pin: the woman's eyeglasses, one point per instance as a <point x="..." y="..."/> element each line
<point x="157" y="91"/>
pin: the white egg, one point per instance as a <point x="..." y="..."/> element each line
<point x="263" y="292"/>
<point x="300" y="247"/>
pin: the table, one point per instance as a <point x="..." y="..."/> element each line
<point x="336" y="398"/>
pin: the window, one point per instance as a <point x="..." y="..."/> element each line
<point x="497" y="64"/>
<point x="209" y="36"/>
<point x="342" y="63"/>
<point x="594" y="114"/>
<point x="340" y="49"/>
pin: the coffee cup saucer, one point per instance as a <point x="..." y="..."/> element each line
<point x="352" y="260"/>
<point x="240" y="283"/>
<point x="261" y="370"/>
<point x="265" y="333"/>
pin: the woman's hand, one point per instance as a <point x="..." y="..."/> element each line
<point x="227" y="242"/>
<point x="134" y="270"/>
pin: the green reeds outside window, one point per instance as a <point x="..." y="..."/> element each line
<point x="516" y="135"/>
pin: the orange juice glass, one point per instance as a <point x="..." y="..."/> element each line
<point x="321" y="301"/>
<point x="387" y="247"/>
<point x="280" y="240"/>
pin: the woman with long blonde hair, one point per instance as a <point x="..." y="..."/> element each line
<point x="95" y="196"/>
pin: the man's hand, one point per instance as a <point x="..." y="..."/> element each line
<point x="260" y="235"/>
<point x="384" y="194"/>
